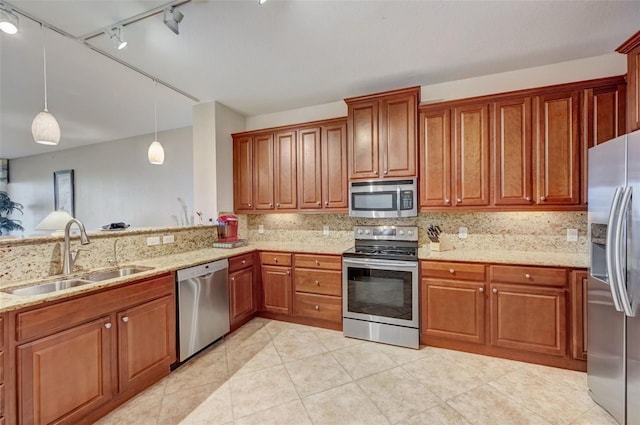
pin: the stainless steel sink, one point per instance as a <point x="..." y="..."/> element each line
<point x="114" y="273"/>
<point x="45" y="288"/>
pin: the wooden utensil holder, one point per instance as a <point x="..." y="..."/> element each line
<point x="443" y="245"/>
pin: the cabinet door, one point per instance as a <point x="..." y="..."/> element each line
<point x="633" y="89"/>
<point x="146" y="341"/>
<point x="472" y="155"/>
<point x="579" y="315"/>
<point x="603" y="117"/>
<point x="241" y="295"/>
<point x="529" y="318"/>
<point x="557" y="149"/>
<point x="243" y="173"/>
<point x="285" y="176"/>
<point x="453" y="310"/>
<point x="397" y="144"/>
<point x="335" y="191"/>
<point x="263" y="172"/>
<point x="65" y="376"/>
<point x="435" y="158"/>
<point x="276" y="283"/>
<point x="310" y="168"/>
<point x="513" y="161"/>
<point x="363" y="139"/>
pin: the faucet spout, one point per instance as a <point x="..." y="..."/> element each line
<point x="69" y="258"/>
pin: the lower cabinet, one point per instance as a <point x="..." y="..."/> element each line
<point x="579" y="314"/>
<point x="3" y="358"/>
<point x="242" y="289"/>
<point x="79" y="358"/>
<point x="276" y="282"/>
<point x="318" y="287"/>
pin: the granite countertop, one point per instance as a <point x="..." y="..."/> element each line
<point x="170" y="263"/>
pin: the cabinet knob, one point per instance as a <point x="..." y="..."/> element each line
<point x="317" y="282"/>
<point x="107" y="325"/>
<point x="375" y="172"/>
<point x="495" y="290"/>
<point x="125" y="319"/>
<point x="385" y="171"/>
<point x="270" y="204"/>
<point x="452" y="271"/>
<point x="543" y="198"/>
<point x="275" y="259"/>
<point x="447" y="201"/>
<point x="480" y="289"/>
<point x="326" y="202"/>
<point x="458" y="200"/>
<point x="317" y="307"/>
<point x="527" y="276"/>
<point x="528" y="198"/>
<point x="249" y="205"/>
<point x="288" y="272"/>
<point x="317" y="263"/>
<point x="318" y="203"/>
<point x="278" y="205"/>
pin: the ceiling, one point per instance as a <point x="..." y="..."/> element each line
<point x="282" y="55"/>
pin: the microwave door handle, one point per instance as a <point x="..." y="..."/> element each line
<point x="398" y="200"/>
<point x="610" y="252"/>
<point x="619" y="253"/>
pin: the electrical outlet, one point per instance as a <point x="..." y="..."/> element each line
<point x="325" y="230"/>
<point x="260" y="228"/>
<point x="462" y="233"/>
<point x="168" y="239"/>
<point x="572" y="235"/>
<point x="153" y="240"/>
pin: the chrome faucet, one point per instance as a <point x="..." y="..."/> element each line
<point x="69" y="256"/>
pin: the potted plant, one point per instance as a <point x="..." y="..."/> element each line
<point x="7" y="206"/>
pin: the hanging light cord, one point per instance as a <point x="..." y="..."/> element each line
<point x="44" y="60"/>
<point x="155" y="108"/>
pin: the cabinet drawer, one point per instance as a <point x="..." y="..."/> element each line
<point x="328" y="262"/>
<point x="326" y="282"/>
<point x="447" y="270"/>
<point x="53" y="318"/>
<point x="321" y="307"/>
<point x="275" y="258"/>
<point x="547" y="276"/>
<point x="240" y="262"/>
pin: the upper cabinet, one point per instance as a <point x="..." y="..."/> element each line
<point x="382" y="135"/>
<point x="472" y="155"/>
<point x="293" y="168"/>
<point x="631" y="48"/>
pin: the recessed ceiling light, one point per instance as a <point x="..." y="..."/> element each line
<point x="8" y="21"/>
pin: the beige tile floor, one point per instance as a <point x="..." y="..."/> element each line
<point x="271" y="372"/>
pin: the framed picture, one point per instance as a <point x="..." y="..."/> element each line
<point x="63" y="191"/>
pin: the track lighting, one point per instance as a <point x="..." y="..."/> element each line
<point x="117" y="37"/>
<point x="172" y="17"/>
<point x="8" y="20"/>
<point x="261" y="2"/>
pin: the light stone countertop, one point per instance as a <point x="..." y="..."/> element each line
<point x="171" y="263"/>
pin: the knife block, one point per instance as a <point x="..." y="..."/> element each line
<point x="442" y="245"/>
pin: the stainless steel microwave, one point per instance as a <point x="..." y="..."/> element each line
<point x="386" y="198"/>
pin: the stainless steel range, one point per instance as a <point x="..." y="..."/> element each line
<point x="380" y="286"/>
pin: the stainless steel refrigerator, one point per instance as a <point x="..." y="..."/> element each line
<point x="613" y="316"/>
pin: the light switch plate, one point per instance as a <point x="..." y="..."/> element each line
<point x="572" y="235"/>
<point x="168" y="239"/>
<point x="462" y="233"/>
<point x="325" y="230"/>
<point x="153" y="240"/>
<point x="260" y="228"/>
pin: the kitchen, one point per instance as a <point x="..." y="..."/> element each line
<point x="549" y="232"/>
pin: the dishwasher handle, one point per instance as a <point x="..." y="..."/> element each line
<point x="202" y="269"/>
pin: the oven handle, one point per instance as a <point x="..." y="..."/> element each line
<point x="381" y="263"/>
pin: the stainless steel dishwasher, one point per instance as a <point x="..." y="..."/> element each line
<point x="203" y="306"/>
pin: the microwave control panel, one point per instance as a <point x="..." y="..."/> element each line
<point x="406" y="199"/>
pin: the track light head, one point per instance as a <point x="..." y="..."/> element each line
<point x="117" y="37"/>
<point x="261" y="2"/>
<point x="8" y="20"/>
<point x="172" y="17"/>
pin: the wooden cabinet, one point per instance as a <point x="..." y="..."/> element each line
<point x="318" y="287"/>
<point x="242" y="289"/>
<point x="78" y="358"/>
<point x="435" y="158"/>
<point x="322" y="162"/>
<point x="528" y="309"/>
<point x="276" y="282"/>
<point x="579" y="314"/>
<point x="513" y="177"/>
<point x="557" y="144"/>
<point x="382" y="134"/>
<point x="471" y="157"/>
<point x="3" y="359"/>
<point x="292" y="168"/>
<point x="453" y="301"/>
<point x="631" y="48"/>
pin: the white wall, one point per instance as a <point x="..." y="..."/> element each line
<point x="113" y="181"/>
<point x="204" y="160"/>
<point x="228" y="121"/>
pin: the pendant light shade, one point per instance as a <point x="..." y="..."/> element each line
<point x="155" y="154"/>
<point x="44" y="128"/>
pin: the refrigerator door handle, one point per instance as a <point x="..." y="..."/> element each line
<point x="610" y="251"/>
<point x="619" y="253"/>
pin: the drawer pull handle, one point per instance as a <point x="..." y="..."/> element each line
<point x="495" y="290"/>
<point x="317" y="307"/>
<point x="244" y="261"/>
<point x="527" y="275"/>
<point x="125" y="319"/>
<point x="452" y="271"/>
<point x="275" y="260"/>
<point x="107" y="325"/>
<point x="317" y="263"/>
<point x="481" y="289"/>
<point x="317" y="283"/>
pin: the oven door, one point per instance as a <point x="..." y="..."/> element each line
<point x="381" y="291"/>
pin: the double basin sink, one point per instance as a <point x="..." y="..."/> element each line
<point x="58" y="285"/>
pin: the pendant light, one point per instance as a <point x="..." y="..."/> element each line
<point x="45" y="128"/>
<point x="156" y="151"/>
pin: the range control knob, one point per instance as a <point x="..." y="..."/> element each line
<point x="366" y="232"/>
<point x="359" y="231"/>
<point x="401" y="232"/>
<point x="410" y="232"/>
